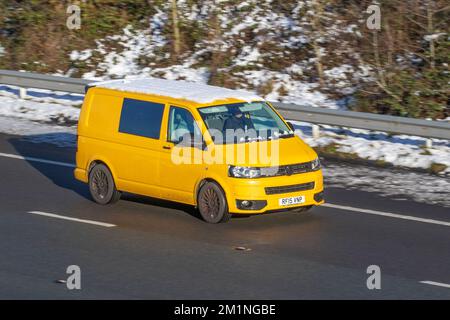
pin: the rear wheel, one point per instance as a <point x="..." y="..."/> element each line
<point x="101" y="185"/>
<point x="212" y="203"/>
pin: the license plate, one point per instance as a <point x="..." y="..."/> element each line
<point x="291" y="200"/>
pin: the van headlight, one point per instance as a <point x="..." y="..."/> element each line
<point x="244" y="172"/>
<point x="315" y="164"/>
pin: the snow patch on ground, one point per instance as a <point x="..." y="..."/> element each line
<point x="118" y="63"/>
<point x="108" y="62"/>
<point x="47" y="112"/>
<point x="400" y="185"/>
<point x="61" y="136"/>
<point x="299" y="92"/>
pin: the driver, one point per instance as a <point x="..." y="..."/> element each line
<point x="180" y="127"/>
<point x="237" y="121"/>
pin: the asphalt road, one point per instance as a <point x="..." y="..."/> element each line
<point x="162" y="250"/>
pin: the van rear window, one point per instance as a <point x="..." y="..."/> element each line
<point x="141" y="118"/>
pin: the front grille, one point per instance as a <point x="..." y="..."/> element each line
<point x="291" y="169"/>
<point x="288" y="189"/>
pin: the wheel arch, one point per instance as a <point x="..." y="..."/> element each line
<point x="216" y="181"/>
<point x="99" y="160"/>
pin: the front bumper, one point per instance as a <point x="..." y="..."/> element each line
<point x="80" y="174"/>
<point x="255" y="190"/>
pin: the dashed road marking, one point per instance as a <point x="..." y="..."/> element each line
<point x="387" y="214"/>
<point x="57" y="216"/>
<point x="438" y="284"/>
<point x="32" y="159"/>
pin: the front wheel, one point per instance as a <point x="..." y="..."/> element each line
<point x="212" y="203"/>
<point x="101" y="185"/>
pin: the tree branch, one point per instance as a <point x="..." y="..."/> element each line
<point x="389" y="92"/>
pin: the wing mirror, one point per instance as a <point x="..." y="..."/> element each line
<point x="291" y="126"/>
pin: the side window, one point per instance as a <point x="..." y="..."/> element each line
<point x="141" y="118"/>
<point x="181" y="123"/>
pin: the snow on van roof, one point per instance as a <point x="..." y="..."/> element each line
<point x="191" y="91"/>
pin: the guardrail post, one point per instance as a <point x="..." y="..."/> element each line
<point x="315" y="131"/>
<point x="428" y="143"/>
<point x="22" y="93"/>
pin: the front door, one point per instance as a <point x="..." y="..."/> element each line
<point x="181" y="166"/>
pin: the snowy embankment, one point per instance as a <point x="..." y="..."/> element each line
<point x="43" y="117"/>
<point x="44" y="114"/>
<point x="380" y="147"/>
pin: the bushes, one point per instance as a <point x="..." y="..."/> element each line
<point x="408" y="93"/>
<point x="36" y="38"/>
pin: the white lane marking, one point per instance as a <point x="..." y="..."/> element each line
<point x="56" y="163"/>
<point x="387" y="214"/>
<point x="51" y="215"/>
<point x="438" y="284"/>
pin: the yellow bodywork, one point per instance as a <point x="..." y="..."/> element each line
<point x="143" y="166"/>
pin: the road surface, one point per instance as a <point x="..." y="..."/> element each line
<point x="142" y="248"/>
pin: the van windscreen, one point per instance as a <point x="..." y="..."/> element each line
<point x="243" y="122"/>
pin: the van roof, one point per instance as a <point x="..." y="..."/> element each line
<point x="185" y="90"/>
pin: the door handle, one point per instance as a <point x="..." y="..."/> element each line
<point x="167" y="147"/>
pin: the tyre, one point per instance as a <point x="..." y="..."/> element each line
<point x="212" y="203"/>
<point x="101" y="185"/>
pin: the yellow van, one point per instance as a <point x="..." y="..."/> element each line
<point x="224" y="151"/>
